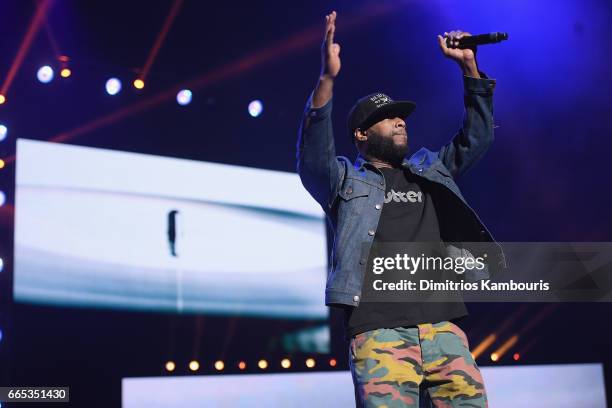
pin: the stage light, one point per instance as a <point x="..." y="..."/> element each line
<point x="503" y="349"/>
<point x="310" y="362"/>
<point x="1" y="164"/>
<point x="170" y="366"/>
<point x="184" y="97"/>
<point x="194" y="365"/>
<point x="333" y="362"/>
<point x="516" y="356"/>
<point x="113" y="86"/>
<point x="485" y="344"/>
<point x="255" y="108"/>
<point x="1" y="264"/>
<point x="138" y="83"/>
<point x="219" y="365"/>
<point x="263" y="364"/>
<point x="2" y="99"/>
<point x="2" y="198"/>
<point x="0" y="335"/>
<point x="65" y="72"/>
<point x="242" y="365"/>
<point x="45" y="74"/>
<point x="3" y="132"/>
<point x="494" y="357"/>
<point x="285" y="363"/>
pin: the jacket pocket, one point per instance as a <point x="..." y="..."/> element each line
<point x="354" y="188"/>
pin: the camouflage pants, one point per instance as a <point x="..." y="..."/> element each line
<point x="393" y="367"/>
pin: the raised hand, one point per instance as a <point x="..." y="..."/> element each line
<point x="466" y="58"/>
<point x="330" y="51"/>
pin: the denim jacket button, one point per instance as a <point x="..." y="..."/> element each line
<point x="349" y="190"/>
<point x="371" y="233"/>
<point x="355" y="298"/>
<point x="378" y="206"/>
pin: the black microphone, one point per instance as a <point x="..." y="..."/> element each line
<point x="471" y="41"/>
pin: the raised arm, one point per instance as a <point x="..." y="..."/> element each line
<point x="476" y="133"/>
<point x="317" y="165"/>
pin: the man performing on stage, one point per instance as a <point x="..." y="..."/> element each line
<point x="398" y="351"/>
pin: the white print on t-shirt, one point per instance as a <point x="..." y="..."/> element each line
<point x="398" y="196"/>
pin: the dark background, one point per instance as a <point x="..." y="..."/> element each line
<point x="546" y="178"/>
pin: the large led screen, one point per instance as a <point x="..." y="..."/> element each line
<point x="542" y="386"/>
<point x="122" y="230"/>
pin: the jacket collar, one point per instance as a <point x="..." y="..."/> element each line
<point x="361" y="162"/>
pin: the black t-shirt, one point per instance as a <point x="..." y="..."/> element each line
<point x="408" y="215"/>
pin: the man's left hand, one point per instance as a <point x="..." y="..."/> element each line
<point x="466" y="58"/>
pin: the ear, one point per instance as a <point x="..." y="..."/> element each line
<point x="360" y="135"/>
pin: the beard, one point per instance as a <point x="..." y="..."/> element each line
<point x="385" y="149"/>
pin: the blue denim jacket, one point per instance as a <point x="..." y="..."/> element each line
<point x="352" y="194"/>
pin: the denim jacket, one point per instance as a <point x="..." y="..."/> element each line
<point x="352" y="194"/>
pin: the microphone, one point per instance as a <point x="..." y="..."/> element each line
<point x="471" y="41"/>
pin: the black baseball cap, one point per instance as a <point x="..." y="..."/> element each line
<point x="374" y="108"/>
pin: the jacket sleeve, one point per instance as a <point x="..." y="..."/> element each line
<point x="319" y="169"/>
<point x="476" y="133"/>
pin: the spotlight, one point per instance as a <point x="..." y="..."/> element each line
<point x="138" y="83"/>
<point x="194" y="365"/>
<point x="310" y="362"/>
<point x="2" y="198"/>
<point x="263" y="364"/>
<point x="242" y="365"/>
<point x="484" y="345"/>
<point x="255" y="108"/>
<point x="1" y="264"/>
<point x="184" y="97"/>
<point x="516" y="356"/>
<point x="219" y="365"/>
<point x="3" y="132"/>
<point x="503" y="349"/>
<point x="170" y="366"/>
<point x="333" y="362"/>
<point x="65" y="72"/>
<point x="1" y="164"/>
<point x="0" y="335"/>
<point x="2" y="99"/>
<point x="494" y="357"/>
<point x="285" y="363"/>
<point x="45" y="74"/>
<point x="113" y="86"/>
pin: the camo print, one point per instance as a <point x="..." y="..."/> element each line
<point x="393" y="367"/>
